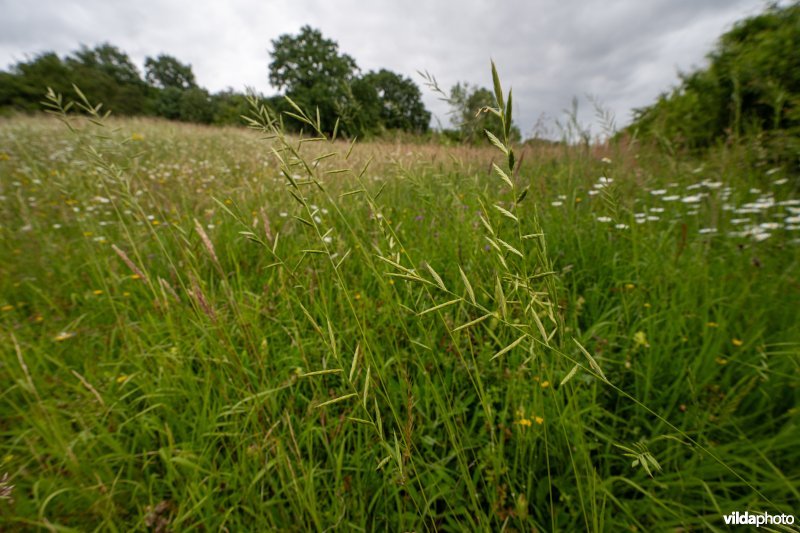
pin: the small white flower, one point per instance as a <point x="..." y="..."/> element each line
<point x="603" y="219"/>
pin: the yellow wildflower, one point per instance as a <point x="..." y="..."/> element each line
<point x="629" y="286"/>
<point x="640" y="338"/>
<point x="737" y="342"/>
<point x="721" y="361"/>
<point x="122" y="379"/>
<point x="97" y="292"/>
<point x="544" y="384"/>
<point x="539" y="420"/>
<point x="712" y="324"/>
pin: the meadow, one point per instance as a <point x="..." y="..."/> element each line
<point x="236" y="329"/>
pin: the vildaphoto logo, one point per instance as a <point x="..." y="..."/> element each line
<point x="757" y="519"/>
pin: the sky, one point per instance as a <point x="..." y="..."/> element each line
<point x="619" y="53"/>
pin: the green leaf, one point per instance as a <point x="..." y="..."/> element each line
<point x="592" y="362"/>
<point x="321" y="372"/>
<point x="508" y="348"/>
<point x="337" y="400"/>
<point x="498" y="91"/>
<point x="438" y="279"/>
<point x="495" y="141"/>
<point x="472" y="322"/>
<point x="570" y="375"/>
<point x="502" y="175"/>
<point x="507" y="118"/>
<point x="510" y="248"/>
<point x="507" y="213"/>
<point x="468" y="286"/>
<point x="437" y="307"/>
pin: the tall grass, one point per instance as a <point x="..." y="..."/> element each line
<point x="220" y="328"/>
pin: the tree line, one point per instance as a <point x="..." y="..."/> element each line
<point x="307" y="67"/>
<point x="750" y="88"/>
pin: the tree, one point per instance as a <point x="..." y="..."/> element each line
<point x="752" y="84"/>
<point x="166" y="71"/>
<point x="196" y="106"/>
<point x="399" y="102"/>
<point x="229" y="107"/>
<point x="109" y="60"/>
<point x="23" y="87"/>
<point x="314" y="74"/>
<point x="106" y="74"/>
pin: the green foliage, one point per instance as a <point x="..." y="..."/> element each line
<point x="196" y="106"/>
<point x="399" y="101"/>
<point x="313" y="73"/>
<point x="23" y="87"/>
<point x="229" y="107"/>
<point x="233" y="330"/>
<point x="307" y="66"/>
<point x="752" y="84"/>
<point x="165" y="71"/>
<point x="318" y="78"/>
<point x="167" y="103"/>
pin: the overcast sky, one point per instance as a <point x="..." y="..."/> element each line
<point x="623" y="52"/>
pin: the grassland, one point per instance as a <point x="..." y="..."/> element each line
<point x="197" y="332"/>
